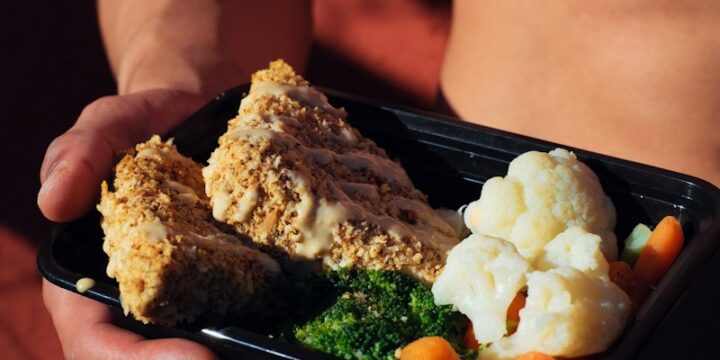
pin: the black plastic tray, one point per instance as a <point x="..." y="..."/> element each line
<point x="449" y="160"/>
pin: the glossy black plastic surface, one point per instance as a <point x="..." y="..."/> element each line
<point x="449" y="160"/>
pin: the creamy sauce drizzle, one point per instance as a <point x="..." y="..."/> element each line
<point x="317" y="219"/>
<point x="221" y="201"/>
<point x="84" y="284"/>
<point x="305" y="95"/>
<point x="265" y="260"/>
<point x="381" y="167"/>
<point x="150" y="153"/>
<point x="153" y="231"/>
<point x="247" y="203"/>
<point x="186" y="194"/>
<point x="366" y="191"/>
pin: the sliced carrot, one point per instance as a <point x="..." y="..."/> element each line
<point x="470" y="340"/>
<point x="622" y="275"/>
<point x="513" y="313"/>
<point x="429" y="348"/>
<point x="662" y="248"/>
<point x="516" y="305"/>
<point x="535" y="355"/>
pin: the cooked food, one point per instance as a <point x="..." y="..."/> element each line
<point x="534" y="233"/>
<point x="170" y="259"/>
<point x="373" y="313"/>
<point x="429" y="347"/>
<point x="292" y="175"/>
<point x="536" y="276"/>
<point x="578" y="249"/>
<point x="542" y="195"/>
<point x="481" y="278"/>
<point x="567" y="313"/>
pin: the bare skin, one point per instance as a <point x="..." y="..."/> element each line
<point x="636" y="80"/>
<point x="169" y="57"/>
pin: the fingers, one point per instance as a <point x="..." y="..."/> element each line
<point x="85" y="332"/>
<point x="77" y="161"/>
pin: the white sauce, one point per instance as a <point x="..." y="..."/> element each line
<point x="247" y="203"/>
<point x="265" y="260"/>
<point x="252" y="134"/>
<point x="84" y="284"/>
<point x="305" y="95"/>
<point x="150" y="153"/>
<point x="317" y="234"/>
<point x="153" y="231"/>
<point x="317" y="220"/>
<point x="381" y="167"/>
<point x="221" y="201"/>
<point x="367" y="191"/>
<point x="185" y="193"/>
<point x="378" y="165"/>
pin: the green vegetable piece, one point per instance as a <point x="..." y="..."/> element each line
<point x="635" y="243"/>
<point x="376" y="312"/>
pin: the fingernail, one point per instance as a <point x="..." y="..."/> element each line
<point x="52" y="177"/>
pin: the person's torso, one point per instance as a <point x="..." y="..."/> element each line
<point x="637" y="80"/>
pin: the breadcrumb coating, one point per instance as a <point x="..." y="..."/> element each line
<point x="171" y="260"/>
<point x="292" y="175"/>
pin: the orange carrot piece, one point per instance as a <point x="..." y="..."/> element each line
<point x="663" y="246"/>
<point x="470" y="340"/>
<point x="622" y="275"/>
<point x="516" y="305"/>
<point x="429" y="348"/>
<point x="535" y="355"/>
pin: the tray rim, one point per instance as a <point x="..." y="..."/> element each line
<point x="62" y="277"/>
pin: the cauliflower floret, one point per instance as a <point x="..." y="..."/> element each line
<point x="482" y="275"/>
<point x="542" y="195"/>
<point x="578" y="249"/>
<point x="566" y="314"/>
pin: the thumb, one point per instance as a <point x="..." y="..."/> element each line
<point x="78" y="160"/>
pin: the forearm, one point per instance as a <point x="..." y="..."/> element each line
<point x="200" y="46"/>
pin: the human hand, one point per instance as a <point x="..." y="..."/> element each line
<point x="74" y="166"/>
<point x="86" y="332"/>
<point x="77" y="161"/>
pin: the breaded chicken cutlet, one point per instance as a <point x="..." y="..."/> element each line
<point x="292" y="175"/>
<point x="170" y="259"/>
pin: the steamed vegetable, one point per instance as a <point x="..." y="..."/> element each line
<point x="566" y="314"/>
<point x="482" y="275"/>
<point x="429" y="348"/>
<point x="542" y="195"/>
<point x="375" y="313"/>
<point x="635" y="243"/>
<point x="658" y="255"/>
<point x="513" y="313"/>
<point x="575" y="248"/>
<point x="622" y="275"/>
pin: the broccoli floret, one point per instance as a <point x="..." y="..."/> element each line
<point x="376" y="312"/>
